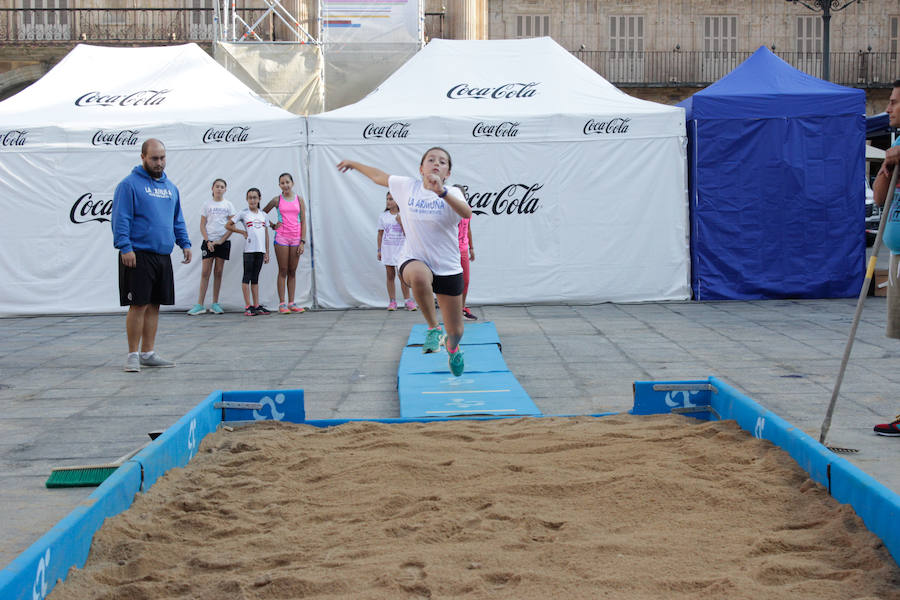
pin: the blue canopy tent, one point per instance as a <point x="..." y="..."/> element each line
<point x="776" y="177"/>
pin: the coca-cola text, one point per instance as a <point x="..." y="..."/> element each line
<point x="86" y="209"/>
<point x="614" y="125"/>
<point x="507" y="90"/>
<point x="515" y="198"/>
<point x="394" y="130"/>
<point x="141" y="98"/>
<point x="504" y="129"/>
<point x="125" y="137"/>
<point x="14" y="137"/>
<point x="222" y="136"/>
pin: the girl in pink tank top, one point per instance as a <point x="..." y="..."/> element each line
<point x="290" y="240"/>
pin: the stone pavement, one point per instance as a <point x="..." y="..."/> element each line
<point x="65" y="399"/>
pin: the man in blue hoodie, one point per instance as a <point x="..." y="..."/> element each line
<point x="147" y="223"/>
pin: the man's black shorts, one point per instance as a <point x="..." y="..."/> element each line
<point x="222" y="250"/>
<point x="149" y="282"/>
<point x="449" y="285"/>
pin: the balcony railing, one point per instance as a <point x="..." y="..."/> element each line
<point x="62" y="27"/>
<point x="111" y="25"/>
<point x="666" y="69"/>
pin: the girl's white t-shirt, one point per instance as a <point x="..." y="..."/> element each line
<point x="430" y="225"/>
<point x="393" y="231"/>
<point x="255" y="223"/>
<point x="217" y="215"/>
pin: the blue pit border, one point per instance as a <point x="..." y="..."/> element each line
<point x="33" y="574"/>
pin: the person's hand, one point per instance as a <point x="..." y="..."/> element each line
<point x="379" y="255"/>
<point x="472" y="254"/>
<point x="345" y="165"/>
<point x="275" y="225"/>
<point x="244" y="233"/>
<point x="300" y="249"/>
<point x="434" y="183"/>
<point x="266" y="258"/>
<point x="129" y="259"/>
<point x="210" y="246"/>
<point x="187" y="255"/>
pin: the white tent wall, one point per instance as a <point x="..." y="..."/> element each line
<point x="59" y="257"/>
<point x="581" y="189"/>
<point x="71" y="137"/>
<point x="594" y="227"/>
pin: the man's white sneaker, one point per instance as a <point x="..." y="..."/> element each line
<point x="155" y="360"/>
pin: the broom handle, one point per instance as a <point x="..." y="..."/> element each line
<point x="870" y="270"/>
<point x="131" y="454"/>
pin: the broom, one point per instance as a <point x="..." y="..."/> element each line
<point x="87" y="475"/>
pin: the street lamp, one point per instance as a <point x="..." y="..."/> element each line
<point x="826" y="6"/>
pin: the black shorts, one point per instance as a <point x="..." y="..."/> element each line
<point x="448" y="285"/>
<point x="222" y="251"/>
<point x="253" y="262"/>
<point x="149" y="282"/>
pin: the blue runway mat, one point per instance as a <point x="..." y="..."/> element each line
<point x="443" y="395"/>
<point x="474" y="333"/>
<point x="427" y="389"/>
<point x="481" y="358"/>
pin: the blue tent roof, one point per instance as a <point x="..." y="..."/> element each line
<point x="764" y="86"/>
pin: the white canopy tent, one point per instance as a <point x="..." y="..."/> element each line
<point x="579" y="189"/>
<point x="67" y="140"/>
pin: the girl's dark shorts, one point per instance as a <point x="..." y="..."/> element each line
<point x="222" y="250"/>
<point x="448" y="285"/>
<point x="253" y="262"/>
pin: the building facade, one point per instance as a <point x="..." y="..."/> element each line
<point x="657" y="49"/>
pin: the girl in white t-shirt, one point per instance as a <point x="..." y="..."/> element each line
<point x="256" y="250"/>
<point x="216" y="247"/>
<point x="390" y="242"/>
<point x="429" y="260"/>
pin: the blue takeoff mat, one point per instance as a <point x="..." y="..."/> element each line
<point x="443" y="395"/>
<point x="427" y="389"/>
<point x="483" y="358"/>
<point x="476" y="333"/>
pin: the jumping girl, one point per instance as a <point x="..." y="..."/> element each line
<point x="429" y="260"/>
<point x="290" y="240"/>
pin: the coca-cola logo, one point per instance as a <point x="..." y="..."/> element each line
<point x="13" y="137"/>
<point x="139" y="98"/>
<point x="125" y="137"/>
<point x="515" y="198"/>
<point x="86" y="209"/>
<point x="506" y="90"/>
<point x="394" y="130"/>
<point x="504" y="129"/>
<point x="233" y="135"/>
<point x="614" y="125"/>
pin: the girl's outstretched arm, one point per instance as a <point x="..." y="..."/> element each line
<point x="376" y="175"/>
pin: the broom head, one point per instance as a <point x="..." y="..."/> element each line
<point x="80" y="476"/>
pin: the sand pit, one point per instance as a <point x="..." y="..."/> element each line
<point x="624" y="507"/>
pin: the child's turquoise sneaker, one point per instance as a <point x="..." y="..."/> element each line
<point x="432" y="340"/>
<point x="216" y="309"/>
<point x="197" y="309"/>
<point x="456" y="362"/>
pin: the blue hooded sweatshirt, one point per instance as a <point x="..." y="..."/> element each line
<point x="146" y="214"/>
